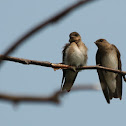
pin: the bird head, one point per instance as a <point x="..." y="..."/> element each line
<point x="74" y="37"/>
<point x="102" y="44"/>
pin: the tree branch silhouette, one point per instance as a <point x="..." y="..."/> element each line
<point x="54" y="98"/>
<point x="44" y="24"/>
<point x="59" y="65"/>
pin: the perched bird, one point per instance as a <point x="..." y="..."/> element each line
<point x="74" y="54"/>
<point x="109" y="56"/>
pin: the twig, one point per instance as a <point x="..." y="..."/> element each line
<point x="41" y="26"/>
<point x="58" y="66"/>
<point x="55" y="98"/>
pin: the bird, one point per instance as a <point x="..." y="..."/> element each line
<point x="109" y="56"/>
<point x="74" y="54"/>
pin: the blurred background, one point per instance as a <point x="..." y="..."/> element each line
<point x="99" y="19"/>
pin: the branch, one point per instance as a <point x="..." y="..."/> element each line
<point x="54" y="98"/>
<point x="59" y="66"/>
<point x="41" y="26"/>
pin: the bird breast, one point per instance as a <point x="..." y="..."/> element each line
<point x="110" y="60"/>
<point x="75" y="55"/>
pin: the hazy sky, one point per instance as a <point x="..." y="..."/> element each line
<point x="99" y="19"/>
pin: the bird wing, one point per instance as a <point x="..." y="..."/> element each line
<point x="69" y="76"/>
<point x="119" y="76"/>
<point x="101" y="78"/>
<point x="69" y="79"/>
<point x="64" y="54"/>
<point x="64" y="51"/>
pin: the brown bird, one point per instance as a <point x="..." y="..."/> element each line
<point x="74" y="54"/>
<point x="109" y="56"/>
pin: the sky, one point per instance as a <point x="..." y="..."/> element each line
<point x="99" y="19"/>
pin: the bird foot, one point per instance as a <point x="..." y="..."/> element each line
<point x="73" y="68"/>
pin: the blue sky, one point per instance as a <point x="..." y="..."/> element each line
<point x="100" y="19"/>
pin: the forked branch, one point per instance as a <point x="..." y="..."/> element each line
<point x="54" y="98"/>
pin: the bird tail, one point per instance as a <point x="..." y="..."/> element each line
<point x="118" y="91"/>
<point x="116" y="94"/>
<point x="67" y="87"/>
<point x="70" y="77"/>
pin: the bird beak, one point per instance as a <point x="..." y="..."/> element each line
<point x="96" y="43"/>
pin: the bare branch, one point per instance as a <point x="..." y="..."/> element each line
<point x="25" y="61"/>
<point x="59" y="66"/>
<point x="54" y="98"/>
<point x="41" y="26"/>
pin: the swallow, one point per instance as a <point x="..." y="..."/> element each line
<point x="109" y="56"/>
<point x="74" y="54"/>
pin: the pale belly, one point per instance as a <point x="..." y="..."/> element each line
<point x="75" y="56"/>
<point x="110" y="61"/>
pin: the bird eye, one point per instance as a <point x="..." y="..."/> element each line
<point x="76" y="35"/>
<point x="101" y="40"/>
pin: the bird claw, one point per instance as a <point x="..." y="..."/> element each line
<point x="73" y="68"/>
<point x="98" y="64"/>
